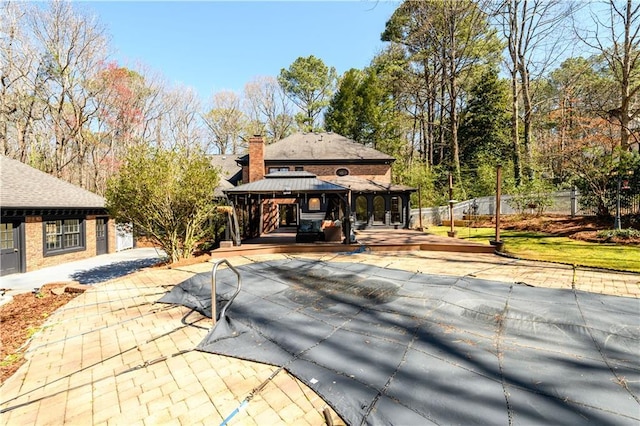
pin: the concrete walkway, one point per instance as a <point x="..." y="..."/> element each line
<point x="112" y="356"/>
<point x="93" y="270"/>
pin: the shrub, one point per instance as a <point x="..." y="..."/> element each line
<point x="167" y="195"/>
<point x="623" y="234"/>
<point x="532" y="195"/>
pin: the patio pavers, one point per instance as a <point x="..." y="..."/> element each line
<point x="113" y="356"/>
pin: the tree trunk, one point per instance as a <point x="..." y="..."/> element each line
<point x="624" y="87"/>
<point x="528" y="117"/>
<point x="455" y="148"/>
<point x="515" y="137"/>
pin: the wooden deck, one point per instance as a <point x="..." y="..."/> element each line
<point x="284" y="241"/>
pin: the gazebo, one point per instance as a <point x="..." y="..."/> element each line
<point x="291" y="199"/>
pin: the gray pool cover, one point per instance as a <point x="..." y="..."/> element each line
<point x="384" y="346"/>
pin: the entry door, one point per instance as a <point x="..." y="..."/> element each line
<point x="101" y="236"/>
<point x="288" y="214"/>
<point x="9" y="248"/>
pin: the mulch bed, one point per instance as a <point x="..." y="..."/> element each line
<point x="22" y="317"/>
<point x="577" y="228"/>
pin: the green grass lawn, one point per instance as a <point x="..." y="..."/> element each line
<point x="539" y="246"/>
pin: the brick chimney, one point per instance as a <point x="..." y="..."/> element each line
<point x="256" y="158"/>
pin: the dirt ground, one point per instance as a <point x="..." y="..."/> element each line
<point x="22" y="317"/>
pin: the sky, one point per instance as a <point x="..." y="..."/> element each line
<point x="222" y="45"/>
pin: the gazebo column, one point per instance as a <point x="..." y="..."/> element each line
<point x="346" y="199"/>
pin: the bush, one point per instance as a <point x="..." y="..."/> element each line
<point x="167" y="195"/>
<point x="623" y="234"/>
<point x="532" y="195"/>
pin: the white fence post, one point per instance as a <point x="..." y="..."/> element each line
<point x="574" y="201"/>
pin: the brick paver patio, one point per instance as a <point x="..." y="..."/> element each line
<point x="112" y="356"/>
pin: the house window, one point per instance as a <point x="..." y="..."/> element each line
<point x="6" y="235"/>
<point x="342" y="172"/>
<point x="299" y="169"/>
<point x="396" y="210"/>
<point x="278" y="169"/>
<point x="378" y="209"/>
<point x="101" y="228"/>
<point x="63" y="235"/>
<point x="314" y="204"/>
<point x="362" y="215"/>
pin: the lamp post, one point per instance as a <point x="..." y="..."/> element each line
<point x="623" y="185"/>
<point x="616" y="222"/>
<point x="452" y="232"/>
<point x="499" y="245"/>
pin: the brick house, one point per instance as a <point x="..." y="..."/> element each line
<point x="315" y="176"/>
<point x="46" y="221"/>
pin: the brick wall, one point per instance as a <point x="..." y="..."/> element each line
<point x="111" y="233"/>
<point x="378" y="172"/>
<point x="90" y="236"/>
<point x="34" y="239"/>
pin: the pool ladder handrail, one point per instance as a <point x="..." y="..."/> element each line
<point x="214" y="305"/>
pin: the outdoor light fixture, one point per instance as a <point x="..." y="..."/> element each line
<point x="452" y="231"/>
<point x="623" y="185"/>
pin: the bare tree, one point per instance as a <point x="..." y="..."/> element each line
<point x="535" y="37"/>
<point x="50" y="56"/>
<point x="616" y="37"/>
<point x="226" y="122"/>
<point x="19" y="82"/>
<point x="72" y="46"/>
<point x="182" y="124"/>
<point x="465" y="41"/>
<point x="269" y="110"/>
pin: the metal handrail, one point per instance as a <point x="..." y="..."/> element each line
<point x="214" y="304"/>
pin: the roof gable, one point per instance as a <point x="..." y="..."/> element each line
<point x="229" y="168"/>
<point x="228" y="164"/>
<point x="22" y="186"/>
<point x="322" y="146"/>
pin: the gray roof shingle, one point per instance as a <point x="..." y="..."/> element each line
<point x="22" y="186"/>
<point x="327" y="146"/>
<point x="283" y="182"/>
<point x="321" y="146"/>
<point x="227" y="164"/>
<point x="358" y="184"/>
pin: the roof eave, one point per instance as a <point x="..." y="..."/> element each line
<point x="307" y="161"/>
<point x="283" y="192"/>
